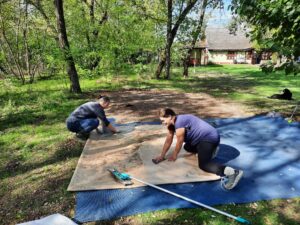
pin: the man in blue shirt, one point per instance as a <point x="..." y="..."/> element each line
<point x="199" y="137"/>
<point x="84" y="119"/>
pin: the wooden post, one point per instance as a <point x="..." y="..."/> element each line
<point x="195" y="55"/>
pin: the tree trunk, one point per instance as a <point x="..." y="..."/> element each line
<point x="10" y="57"/>
<point x="200" y="59"/>
<point x="65" y="47"/>
<point x="3" y="70"/>
<point x="174" y="30"/>
<point x="161" y="64"/>
<point x="186" y="66"/>
<point x="26" y="47"/>
<point x="169" y="40"/>
<point x="194" y="40"/>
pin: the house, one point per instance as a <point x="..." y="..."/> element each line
<point x="221" y="47"/>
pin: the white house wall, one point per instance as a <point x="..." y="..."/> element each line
<point x="217" y="57"/>
<point x="220" y="57"/>
<point x="196" y="55"/>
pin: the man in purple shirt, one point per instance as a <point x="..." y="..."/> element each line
<point x="199" y="137"/>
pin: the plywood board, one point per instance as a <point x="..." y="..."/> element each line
<point x="132" y="151"/>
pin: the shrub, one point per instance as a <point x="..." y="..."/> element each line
<point x="289" y="67"/>
<point x="267" y="67"/>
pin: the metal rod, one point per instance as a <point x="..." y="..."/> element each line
<point x="294" y="112"/>
<point x="239" y="219"/>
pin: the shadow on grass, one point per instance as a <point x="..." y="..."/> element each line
<point x="227" y="86"/>
<point x="210" y="85"/>
<point x="67" y="149"/>
<point x="60" y="103"/>
<point x="49" y="198"/>
<point x="53" y="111"/>
<point x="56" y="111"/>
<point x="266" y="213"/>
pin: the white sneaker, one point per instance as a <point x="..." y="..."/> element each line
<point x="230" y="181"/>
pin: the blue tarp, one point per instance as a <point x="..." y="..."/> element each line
<point x="266" y="148"/>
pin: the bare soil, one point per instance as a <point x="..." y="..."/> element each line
<point x="136" y="105"/>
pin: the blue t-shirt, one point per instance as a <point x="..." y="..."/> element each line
<point x="89" y="110"/>
<point x="196" y="129"/>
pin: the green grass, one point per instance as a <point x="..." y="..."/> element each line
<point x="38" y="155"/>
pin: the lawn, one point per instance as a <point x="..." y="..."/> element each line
<point x="38" y="155"/>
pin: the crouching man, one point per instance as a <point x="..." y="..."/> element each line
<point x="86" y="117"/>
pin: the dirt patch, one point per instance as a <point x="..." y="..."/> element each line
<point x="143" y="105"/>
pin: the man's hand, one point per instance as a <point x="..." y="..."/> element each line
<point x="112" y="128"/>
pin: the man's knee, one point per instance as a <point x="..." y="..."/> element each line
<point x="88" y="125"/>
<point x="94" y="123"/>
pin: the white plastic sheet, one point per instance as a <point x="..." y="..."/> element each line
<point x="55" y="219"/>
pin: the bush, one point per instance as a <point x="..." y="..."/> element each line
<point x="267" y="67"/>
<point x="289" y="67"/>
<point x="211" y="63"/>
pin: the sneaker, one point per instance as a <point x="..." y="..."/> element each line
<point x="98" y="131"/>
<point x="82" y="135"/>
<point x="230" y="181"/>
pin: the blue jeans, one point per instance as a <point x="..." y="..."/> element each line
<point x="84" y="125"/>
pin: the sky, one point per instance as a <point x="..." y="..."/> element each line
<point x="220" y="18"/>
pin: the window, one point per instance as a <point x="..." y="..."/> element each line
<point x="230" y="55"/>
<point x="249" y="55"/>
<point x="266" y="55"/>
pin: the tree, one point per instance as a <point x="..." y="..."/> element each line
<point x="169" y="38"/>
<point x="183" y="11"/>
<point x="195" y="36"/>
<point x="18" y="41"/>
<point x="280" y="20"/>
<point x="111" y="34"/>
<point x="198" y="32"/>
<point x="65" y="47"/>
<point x="102" y="36"/>
<point x="90" y="58"/>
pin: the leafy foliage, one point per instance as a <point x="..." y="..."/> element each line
<point x="276" y="23"/>
<point x="103" y="35"/>
<point x="267" y="67"/>
<point x="289" y="67"/>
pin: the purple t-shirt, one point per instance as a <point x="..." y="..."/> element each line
<point x="196" y="129"/>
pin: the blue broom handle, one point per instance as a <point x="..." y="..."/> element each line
<point x="239" y="219"/>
